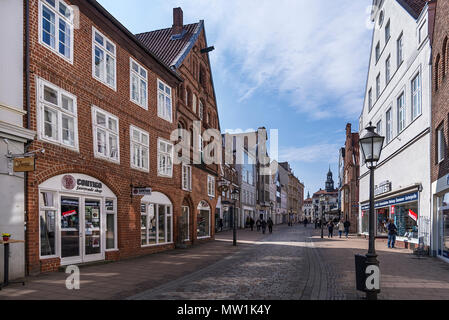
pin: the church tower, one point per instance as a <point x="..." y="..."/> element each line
<point x="330" y="182"/>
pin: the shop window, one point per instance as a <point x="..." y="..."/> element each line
<point x="56" y="28"/>
<point x="365" y="222"/>
<point x="111" y="225"/>
<point x="164" y="101"/>
<point x="104" y="59"/>
<point x="139" y="83"/>
<point x="47" y="214"/>
<point x="57" y="114"/>
<point x="383" y="215"/>
<point x="106" y="135"/>
<point x="406" y="220"/>
<point x="203" y="223"/>
<point x="156" y="224"/>
<point x="140" y="145"/>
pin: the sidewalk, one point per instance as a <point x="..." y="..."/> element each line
<point x="404" y="276"/>
<point x="125" y="278"/>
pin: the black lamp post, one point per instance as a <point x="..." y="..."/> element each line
<point x="371" y="145"/>
<point x="235" y="196"/>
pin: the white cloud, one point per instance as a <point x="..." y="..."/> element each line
<point x="314" y="52"/>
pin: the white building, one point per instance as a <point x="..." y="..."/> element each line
<point x="397" y="102"/>
<point x="13" y="136"/>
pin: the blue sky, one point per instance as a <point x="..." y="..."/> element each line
<point x="296" y="66"/>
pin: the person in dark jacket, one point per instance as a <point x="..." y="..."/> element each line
<point x="220" y="224"/>
<point x="270" y="225"/>
<point x="251" y="224"/>
<point x="347" y="224"/>
<point x="330" y="227"/>
<point x="305" y="222"/>
<point x="258" y="224"/>
<point x="392" y="231"/>
<point x="264" y="226"/>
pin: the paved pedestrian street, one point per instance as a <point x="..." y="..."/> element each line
<point x="293" y="263"/>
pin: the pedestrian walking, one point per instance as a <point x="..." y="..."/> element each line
<point x="330" y="227"/>
<point x="248" y="219"/>
<point x="270" y="225"/>
<point x="251" y="224"/>
<point x="316" y="223"/>
<point x="392" y="232"/>
<point x="220" y="224"/>
<point x="347" y="224"/>
<point x="264" y="226"/>
<point x="341" y="228"/>
<point x="258" y="223"/>
<point x="305" y="222"/>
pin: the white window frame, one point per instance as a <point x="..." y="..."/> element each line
<point x="140" y="78"/>
<point x="186" y="177"/>
<point x="168" y="171"/>
<point x="402" y="112"/>
<point x="142" y="146"/>
<point x="161" y="105"/>
<point x="388" y="70"/>
<point x="103" y="76"/>
<point x="108" y="132"/>
<point x="114" y="213"/>
<point x="200" y="109"/>
<point x="42" y="104"/>
<point x="55" y="209"/>
<point x="387" y="34"/>
<point x="441" y="147"/>
<point x="378" y="90"/>
<point x="58" y="18"/>
<point x="377" y="51"/>
<point x="211" y="186"/>
<point x="422" y="37"/>
<point x="389" y="125"/>
<point x="156" y="215"/>
<point x="370" y="99"/>
<point x="418" y="95"/>
<point x="379" y="127"/>
<point x="400" y="50"/>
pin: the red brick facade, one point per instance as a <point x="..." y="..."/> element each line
<point x="77" y="79"/>
<point x="440" y="88"/>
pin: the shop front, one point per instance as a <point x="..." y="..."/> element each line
<point x="203" y="220"/>
<point x="402" y="209"/>
<point x="77" y="219"/>
<point x="442" y="238"/>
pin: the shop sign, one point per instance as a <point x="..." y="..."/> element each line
<point x="141" y="191"/>
<point x="384" y="187"/>
<point x="24" y="164"/>
<point x="394" y="201"/>
<point x="69" y="182"/>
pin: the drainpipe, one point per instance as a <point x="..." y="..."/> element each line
<point x="28" y="122"/>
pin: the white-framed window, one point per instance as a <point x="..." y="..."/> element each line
<point x="103" y="59"/>
<point x="387" y="31"/>
<point x="370" y="99"/>
<point x="138" y="84"/>
<point x="140" y="147"/>
<point x="186" y="177"/>
<point x="379" y="127"/>
<point x="387" y="70"/>
<point x="416" y="96"/>
<point x="441" y="143"/>
<point x="194" y="103"/>
<point x="200" y="110"/>
<point x="57" y="115"/>
<point x="378" y="51"/>
<point x="106" y="135"/>
<point x="389" y="125"/>
<point x="164" y="101"/>
<point x="378" y="86"/>
<point x="156" y="224"/>
<point x="211" y="186"/>
<point x="165" y="158"/>
<point x="401" y="112"/>
<point x="56" y="27"/>
<point x="48" y="209"/>
<point x="400" y="48"/>
<point x="111" y="224"/>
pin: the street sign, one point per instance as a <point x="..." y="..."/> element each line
<point x="141" y="191"/>
<point x="24" y="164"/>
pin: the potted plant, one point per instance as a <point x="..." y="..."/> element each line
<point x="6" y="236"/>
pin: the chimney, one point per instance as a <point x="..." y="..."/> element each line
<point x="178" y="21"/>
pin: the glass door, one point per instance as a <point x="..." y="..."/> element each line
<point x="92" y="230"/>
<point x="70" y="230"/>
<point x="444" y="214"/>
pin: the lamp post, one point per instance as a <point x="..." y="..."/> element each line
<point x="235" y="196"/>
<point x="371" y="145"/>
<point x="322" y="214"/>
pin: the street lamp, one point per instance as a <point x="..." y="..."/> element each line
<point x="371" y="145"/>
<point x="235" y="196"/>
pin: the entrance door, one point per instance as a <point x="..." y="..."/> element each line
<point x="70" y="230"/>
<point x="92" y="230"/>
<point x="444" y="232"/>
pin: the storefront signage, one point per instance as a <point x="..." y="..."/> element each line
<point x="142" y="191"/>
<point x="393" y="201"/>
<point x="69" y="182"/>
<point x="24" y="164"/>
<point x="384" y="187"/>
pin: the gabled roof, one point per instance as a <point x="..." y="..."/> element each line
<point x="171" y="51"/>
<point x="414" y="7"/>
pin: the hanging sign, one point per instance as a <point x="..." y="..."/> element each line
<point x="24" y="164"/>
<point x="141" y="191"/>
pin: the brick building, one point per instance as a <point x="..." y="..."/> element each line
<point x="349" y="189"/>
<point x="104" y="107"/>
<point x="440" y="135"/>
